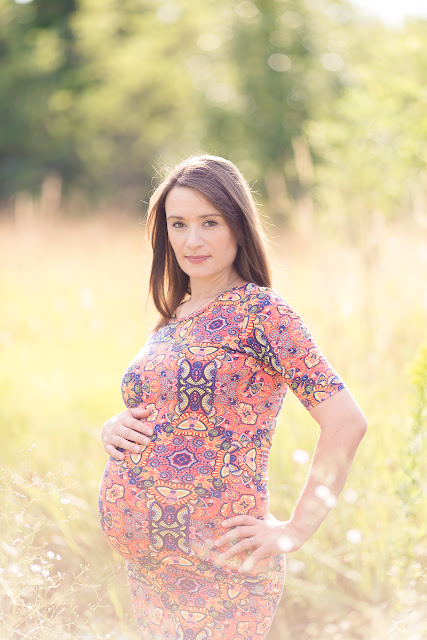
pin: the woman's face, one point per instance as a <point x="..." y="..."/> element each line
<point x="201" y="238"/>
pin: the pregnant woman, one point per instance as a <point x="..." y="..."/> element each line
<point x="184" y="496"/>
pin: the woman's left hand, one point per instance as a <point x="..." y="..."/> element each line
<point x="261" y="538"/>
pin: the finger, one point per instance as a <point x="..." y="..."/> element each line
<point x="114" y="453"/>
<point x="252" y="560"/>
<point x="238" y="520"/>
<point x="239" y="547"/>
<point x="234" y="534"/>
<point x="133" y="436"/>
<point x="128" y="445"/>
<point x="139" y="412"/>
<point x="138" y="425"/>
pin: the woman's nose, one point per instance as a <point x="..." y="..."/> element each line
<point x="194" y="238"/>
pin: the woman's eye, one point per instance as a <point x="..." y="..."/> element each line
<point x="211" y="223"/>
<point x="177" y="225"/>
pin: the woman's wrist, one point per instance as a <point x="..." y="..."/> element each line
<point x="310" y="512"/>
<point x="302" y="532"/>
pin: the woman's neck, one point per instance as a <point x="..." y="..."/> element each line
<point x="203" y="289"/>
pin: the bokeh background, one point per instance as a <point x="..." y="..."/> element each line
<point x="324" y="109"/>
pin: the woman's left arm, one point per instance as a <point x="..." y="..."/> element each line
<point x="342" y="426"/>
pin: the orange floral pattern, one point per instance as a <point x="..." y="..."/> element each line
<point x="215" y="382"/>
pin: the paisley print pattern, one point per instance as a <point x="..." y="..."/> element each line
<point x="215" y="382"/>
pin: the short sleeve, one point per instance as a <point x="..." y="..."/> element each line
<point x="280" y="339"/>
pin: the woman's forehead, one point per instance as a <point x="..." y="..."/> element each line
<point x="186" y="201"/>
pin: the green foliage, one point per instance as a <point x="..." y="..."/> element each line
<point x="267" y="67"/>
<point x="412" y="487"/>
<point x="36" y="60"/>
<point x="104" y="90"/>
<point x="419" y="379"/>
<point x="137" y="102"/>
<point x="371" y="147"/>
<point x="323" y="110"/>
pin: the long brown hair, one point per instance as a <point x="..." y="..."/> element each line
<point x="223" y="185"/>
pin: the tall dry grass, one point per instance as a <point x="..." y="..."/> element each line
<point x="74" y="313"/>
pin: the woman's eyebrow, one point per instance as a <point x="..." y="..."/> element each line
<point x="204" y="215"/>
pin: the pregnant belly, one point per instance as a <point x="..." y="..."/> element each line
<point x="145" y="511"/>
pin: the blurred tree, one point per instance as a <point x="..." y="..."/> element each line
<point x="36" y="56"/>
<point x="103" y="90"/>
<point x="264" y="83"/>
<point x="371" y="147"/>
<point x="309" y="99"/>
<point x="138" y="107"/>
<point x="96" y="91"/>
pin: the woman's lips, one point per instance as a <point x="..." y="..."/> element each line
<point x="196" y="259"/>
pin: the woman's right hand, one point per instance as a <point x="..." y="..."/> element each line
<point x="127" y="430"/>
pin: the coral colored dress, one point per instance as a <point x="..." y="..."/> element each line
<point x="214" y="381"/>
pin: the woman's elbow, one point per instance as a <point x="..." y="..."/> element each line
<point x="358" y="424"/>
<point x="359" y="427"/>
<point x="363" y="426"/>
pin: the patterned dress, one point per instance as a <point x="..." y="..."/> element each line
<point x="214" y="381"/>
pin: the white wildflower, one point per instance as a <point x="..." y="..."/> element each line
<point x="354" y="535"/>
<point x="9" y="548"/>
<point x="295" y="566"/>
<point x="331" y="501"/>
<point x="300" y="456"/>
<point x="35" y="568"/>
<point x="350" y="495"/>
<point x="14" y="568"/>
<point x="322" y="491"/>
<point x="285" y="544"/>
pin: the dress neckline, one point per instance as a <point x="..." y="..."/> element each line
<point x="199" y="311"/>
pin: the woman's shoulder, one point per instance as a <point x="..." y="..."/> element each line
<point x="255" y="294"/>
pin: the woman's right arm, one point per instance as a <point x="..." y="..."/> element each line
<point x="127" y="430"/>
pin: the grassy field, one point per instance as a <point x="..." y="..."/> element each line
<point x="74" y="313"/>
